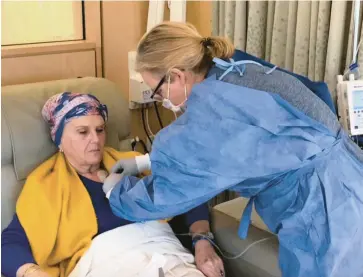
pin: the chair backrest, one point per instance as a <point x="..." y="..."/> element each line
<point x="26" y="141"/>
<point x="319" y="88"/>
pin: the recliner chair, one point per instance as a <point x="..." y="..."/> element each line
<point x="26" y="141"/>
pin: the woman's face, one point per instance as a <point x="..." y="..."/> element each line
<point x="83" y="140"/>
<point x="177" y="87"/>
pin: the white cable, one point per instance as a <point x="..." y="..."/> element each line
<point x="243" y="252"/>
<point x="216" y="246"/>
<point x="357" y="50"/>
<point x="354" y="58"/>
<point x="355" y="35"/>
<point x="147" y="123"/>
<point x="221" y="252"/>
<point x="356" y="27"/>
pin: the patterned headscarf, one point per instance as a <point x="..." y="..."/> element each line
<point x="61" y="108"/>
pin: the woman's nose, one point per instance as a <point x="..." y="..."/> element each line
<point x="95" y="136"/>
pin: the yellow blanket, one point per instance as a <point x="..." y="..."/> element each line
<point x="57" y="214"/>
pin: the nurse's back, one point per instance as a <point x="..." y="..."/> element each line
<point x="288" y="87"/>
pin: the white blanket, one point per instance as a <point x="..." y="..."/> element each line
<point x="138" y="249"/>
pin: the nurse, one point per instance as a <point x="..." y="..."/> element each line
<point x="254" y="130"/>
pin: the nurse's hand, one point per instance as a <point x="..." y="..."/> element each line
<point x="128" y="166"/>
<point x="132" y="166"/>
<point x="109" y="182"/>
<point x="207" y="260"/>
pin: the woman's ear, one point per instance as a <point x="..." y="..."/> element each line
<point x="179" y="76"/>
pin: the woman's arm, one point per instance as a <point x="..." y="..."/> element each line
<point x="200" y="226"/>
<point x="205" y="256"/>
<point x="198" y="219"/>
<point x="16" y="254"/>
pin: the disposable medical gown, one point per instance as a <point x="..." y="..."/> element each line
<point x="305" y="182"/>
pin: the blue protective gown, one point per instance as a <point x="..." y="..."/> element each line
<point x="306" y="183"/>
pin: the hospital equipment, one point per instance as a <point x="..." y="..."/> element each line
<point x="354" y="67"/>
<point x="356" y="30"/>
<point x="350" y="104"/>
<point x="350" y="90"/>
<point x="139" y="92"/>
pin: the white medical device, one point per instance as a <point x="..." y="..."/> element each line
<point x="350" y="104"/>
<point x="139" y="92"/>
<point x="350" y="92"/>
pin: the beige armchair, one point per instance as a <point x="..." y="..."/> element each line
<point x="26" y="142"/>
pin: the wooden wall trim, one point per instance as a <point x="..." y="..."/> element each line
<point x="47" y="67"/>
<point x="93" y="30"/>
<point x="46" y="48"/>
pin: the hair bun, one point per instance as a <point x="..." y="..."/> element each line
<point x="206" y="42"/>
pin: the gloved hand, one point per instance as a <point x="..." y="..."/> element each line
<point x="110" y="181"/>
<point x="123" y="167"/>
<point x="132" y="166"/>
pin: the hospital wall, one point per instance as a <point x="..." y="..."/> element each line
<point x="113" y="28"/>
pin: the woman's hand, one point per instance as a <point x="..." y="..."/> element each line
<point x="207" y="259"/>
<point x="38" y="274"/>
<point x="31" y="270"/>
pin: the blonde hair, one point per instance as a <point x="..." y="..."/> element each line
<point x="179" y="45"/>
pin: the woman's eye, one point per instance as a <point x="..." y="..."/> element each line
<point x="100" y="130"/>
<point x="82" y="132"/>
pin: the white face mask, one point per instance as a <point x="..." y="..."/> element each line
<point x="169" y="105"/>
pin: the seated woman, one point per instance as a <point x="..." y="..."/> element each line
<point x="62" y="206"/>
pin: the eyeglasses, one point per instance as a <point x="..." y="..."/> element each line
<point x="162" y="81"/>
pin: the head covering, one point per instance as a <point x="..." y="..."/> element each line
<point x="61" y="108"/>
